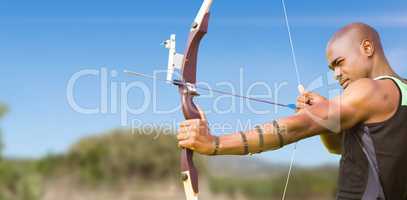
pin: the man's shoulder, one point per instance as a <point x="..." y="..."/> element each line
<point x="369" y="94"/>
<point x="367" y="86"/>
<point x="379" y="97"/>
<point x="362" y="88"/>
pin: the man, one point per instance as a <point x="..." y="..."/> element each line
<point x="367" y="124"/>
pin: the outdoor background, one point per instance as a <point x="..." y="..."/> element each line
<point x="52" y="151"/>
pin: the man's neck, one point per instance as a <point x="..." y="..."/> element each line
<point x="382" y="68"/>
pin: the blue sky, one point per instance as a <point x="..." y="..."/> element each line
<point x="43" y="43"/>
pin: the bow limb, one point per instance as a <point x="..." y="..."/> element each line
<point x="188" y="91"/>
<point x="294" y="59"/>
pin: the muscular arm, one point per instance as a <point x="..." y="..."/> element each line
<point x="357" y="104"/>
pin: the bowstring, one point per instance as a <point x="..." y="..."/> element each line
<point x="294" y="59"/>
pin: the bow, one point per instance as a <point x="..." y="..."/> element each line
<point x="187" y="64"/>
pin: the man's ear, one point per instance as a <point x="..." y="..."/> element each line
<point x="367" y="47"/>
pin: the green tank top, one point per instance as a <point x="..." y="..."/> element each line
<point x="401" y="85"/>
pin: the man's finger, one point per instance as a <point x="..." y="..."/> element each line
<point x="189" y="122"/>
<point x="301" y="105"/>
<point x="184" y="124"/>
<point x="301" y="98"/>
<point x="182" y="136"/>
<point x="186" y="144"/>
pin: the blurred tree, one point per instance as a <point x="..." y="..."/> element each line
<point x="3" y="111"/>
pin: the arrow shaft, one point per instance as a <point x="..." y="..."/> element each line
<point x="211" y="90"/>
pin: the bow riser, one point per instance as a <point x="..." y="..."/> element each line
<point x="187" y="92"/>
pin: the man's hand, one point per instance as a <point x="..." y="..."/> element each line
<point x="306" y="99"/>
<point x="194" y="134"/>
<point x="332" y="142"/>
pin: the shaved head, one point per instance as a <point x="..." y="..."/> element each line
<point x="356" y="33"/>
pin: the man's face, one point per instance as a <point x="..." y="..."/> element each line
<point x="346" y="60"/>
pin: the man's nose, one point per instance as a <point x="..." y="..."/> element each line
<point x="337" y="73"/>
